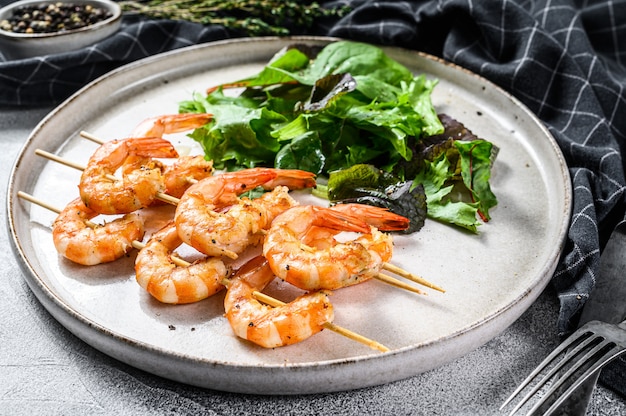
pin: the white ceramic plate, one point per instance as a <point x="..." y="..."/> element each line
<point x="491" y="278"/>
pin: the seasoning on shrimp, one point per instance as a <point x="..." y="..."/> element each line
<point x="141" y="180"/>
<point x="272" y="327"/>
<point x="77" y="241"/>
<point x="301" y="248"/>
<point x="162" y="278"/>
<point x="212" y="218"/>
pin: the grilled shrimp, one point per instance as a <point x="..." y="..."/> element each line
<point x="86" y="245"/>
<point x="156" y="272"/>
<point x="213" y="219"/>
<point x="141" y="177"/>
<point x="301" y="249"/>
<point x="267" y="326"/>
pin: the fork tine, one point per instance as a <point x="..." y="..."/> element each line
<point x="583" y="343"/>
<point x="597" y="366"/>
<point x="577" y="365"/>
<point x="579" y="336"/>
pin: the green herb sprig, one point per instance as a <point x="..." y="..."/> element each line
<point x="254" y="17"/>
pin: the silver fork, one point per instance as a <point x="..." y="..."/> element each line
<point x="584" y="353"/>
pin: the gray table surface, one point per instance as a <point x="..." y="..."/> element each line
<point x="44" y="369"/>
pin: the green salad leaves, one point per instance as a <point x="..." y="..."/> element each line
<point x="348" y="105"/>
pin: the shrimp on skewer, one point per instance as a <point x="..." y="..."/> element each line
<point x="212" y="218"/>
<point x="163" y="279"/>
<point x="141" y="181"/>
<point x="267" y="326"/>
<point x="86" y="245"/>
<point x="186" y="169"/>
<point x="300" y="248"/>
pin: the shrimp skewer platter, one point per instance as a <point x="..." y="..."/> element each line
<point x="374" y="216"/>
<point x="151" y="225"/>
<point x="157" y="273"/>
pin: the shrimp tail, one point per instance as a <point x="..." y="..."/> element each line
<point x="268" y="178"/>
<point x="378" y="217"/>
<point x="342" y="221"/>
<point x="244" y="180"/>
<point x="170" y="123"/>
<point x="293" y="179"/>
<point x="187" y="121"/>
<point x="255" y="272"/>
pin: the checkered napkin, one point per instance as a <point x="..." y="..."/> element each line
<point x="564" y="59"/>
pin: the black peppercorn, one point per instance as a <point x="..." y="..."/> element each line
<point x="53" y="17"/>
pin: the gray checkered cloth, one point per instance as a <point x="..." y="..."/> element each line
<point x="564" y="59"/>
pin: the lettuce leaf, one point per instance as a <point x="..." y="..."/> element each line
<point x="348" y="103"/>
<point x="435" y="178"/>
<point x="476" y="160"/>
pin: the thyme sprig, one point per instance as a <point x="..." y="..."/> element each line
<point x="255" y="17"/>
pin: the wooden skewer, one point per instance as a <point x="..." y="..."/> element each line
<point x="91" y="137"/>
<point x="412" y="277"/>
<point x="397" y="283"/>
<point x="59" y="159"/>
<point x="174" y="201"/>
<point x="262" y="297"/>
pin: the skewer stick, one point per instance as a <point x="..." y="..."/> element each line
<point x="262" y="297"/>
<point x="174" y="201"/>
<point x="397" y="283"/>
<point x="412" y="277"/>
<point x="59" y="159"/>
<point x="91" y="137"/>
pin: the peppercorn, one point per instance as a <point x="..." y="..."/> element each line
<point x="53" y="17"/>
